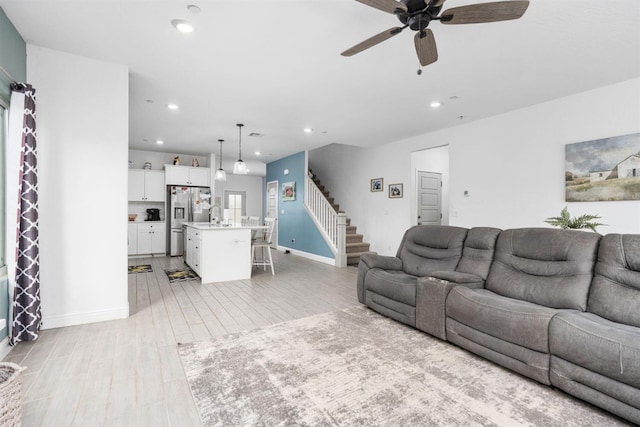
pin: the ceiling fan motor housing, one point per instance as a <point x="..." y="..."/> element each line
<point x="419" y="13"/>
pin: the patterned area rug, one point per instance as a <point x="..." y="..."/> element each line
<point x="181" y="275"/>
<point x="145" y="268"/>
<point x="357" y="368"/>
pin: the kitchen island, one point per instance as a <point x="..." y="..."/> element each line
<point x="218" y="253"/>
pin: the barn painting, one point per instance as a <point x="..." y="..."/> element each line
<point x="605" y="169"/>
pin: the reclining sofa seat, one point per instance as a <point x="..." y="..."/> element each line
<point x="595" y="355"/>
<point x="388" y="284"/>
<point x="472" y="272"/>
<point x="536" y="272"/>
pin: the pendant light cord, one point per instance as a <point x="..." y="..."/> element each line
<point x="221" y="141"/>
<point x="240" y="141"/>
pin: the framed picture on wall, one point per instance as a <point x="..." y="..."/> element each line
<point x="288" y="191"/>
<point x="377" y="184"/>
<point x="395" y="191"/>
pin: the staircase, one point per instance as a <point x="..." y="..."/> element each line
<point x="355" y="245"/>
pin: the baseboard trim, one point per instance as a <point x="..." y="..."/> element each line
<point x="60" y="321"/>
<point x="5" y="348"/>
<point x="308" y="255"/>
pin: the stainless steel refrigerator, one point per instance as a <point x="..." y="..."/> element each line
<point x="185" y="204"/>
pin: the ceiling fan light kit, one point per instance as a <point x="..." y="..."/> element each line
<point x="418" y="14"/>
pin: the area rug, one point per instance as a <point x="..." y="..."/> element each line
<point x="357" y="368"/>
<point x="145" y="268"/>
<point x="181" y="275"/>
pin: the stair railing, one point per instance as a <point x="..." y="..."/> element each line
<point x="332" y="225"/>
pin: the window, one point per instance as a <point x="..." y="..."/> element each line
<point x="234" y="205"/>
<point x="4" y="114"/>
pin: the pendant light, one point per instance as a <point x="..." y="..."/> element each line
<point x="221" y="175"/>
<point x="239" y="168"/>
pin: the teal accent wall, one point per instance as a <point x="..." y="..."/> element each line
<point x="295" y="222"/>
<point x="13" y="58"/>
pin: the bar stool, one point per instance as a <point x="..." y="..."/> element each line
<point x="263" y="243"/>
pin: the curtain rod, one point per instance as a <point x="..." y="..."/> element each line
<point x="8" y="75"/>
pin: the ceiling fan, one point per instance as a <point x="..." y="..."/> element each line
<point x="417" y="14"/>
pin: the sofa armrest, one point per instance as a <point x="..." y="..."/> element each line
<point x="459" y="278"/>
<point x="431" y="296"/>
<point x="371" y="260"/>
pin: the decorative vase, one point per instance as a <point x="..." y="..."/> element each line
<point x="176" y="160"/>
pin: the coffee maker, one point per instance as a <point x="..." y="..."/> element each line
<point x="153" y="215"/>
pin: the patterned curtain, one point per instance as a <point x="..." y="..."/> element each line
<point x="26" y="317"/>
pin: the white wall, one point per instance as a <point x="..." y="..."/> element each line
<point x="82" y="125"/>
<point x="158" y="159"/>
<point x="511" y="164"/>
<point x="253" y="186"/>
<point x="434" y="160"/>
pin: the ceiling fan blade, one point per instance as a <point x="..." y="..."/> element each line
<point x="372" y="41"/>
<point x="389" y="6"/>
<point x="426" y="47"/>
<point x="485" y="12"/>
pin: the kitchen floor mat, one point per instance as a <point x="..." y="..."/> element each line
<point x="181" y="275"/>
<point x="144" y="268"/>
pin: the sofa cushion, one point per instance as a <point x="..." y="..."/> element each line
<point x="615" y="291"/>
<point x="478" y="250"/>
<point x="518" y="322"/>
<point x="393" y="284"/>
<point x="597" y="344"/>
<point x="544" y="266"/>
<point x="427" y="248"/>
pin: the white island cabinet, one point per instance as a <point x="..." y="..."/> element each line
<point x="218" y="253"/>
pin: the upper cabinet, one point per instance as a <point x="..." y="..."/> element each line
<point x="187" y="175"/>
<point x="146" y="185"/>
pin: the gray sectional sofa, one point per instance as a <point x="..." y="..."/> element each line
<point x="559" y="306"/>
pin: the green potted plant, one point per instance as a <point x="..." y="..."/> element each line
<point x="566" y="221"/>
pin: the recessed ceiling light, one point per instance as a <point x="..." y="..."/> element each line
<point x="182" y="25"/>
<point x="159" y="142"/>
<point x="150" y="101"/>
<point x="435" y="104"/>
<point x="308" y="130"/>
<point x="171" y="106"/>
<point x="257" y="153"/>
<point x="193" y="8"/>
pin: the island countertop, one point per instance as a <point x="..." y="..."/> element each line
<point x="219" y="253"/>
<point x="212" y="226"/>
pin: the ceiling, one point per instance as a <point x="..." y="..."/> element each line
<point x="275" y="65"/>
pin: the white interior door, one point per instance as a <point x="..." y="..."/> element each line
<point x="272" y="209"/>
<point x="429" y="198"/>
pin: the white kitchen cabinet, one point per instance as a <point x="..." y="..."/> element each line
<point x="146" y="186"/>
<point x="187" y="175"/>
<point x="194" y="243"/>
<point x="132" y="239"/>
<point x="152" y="238"/>
<point x="219" y="254"/>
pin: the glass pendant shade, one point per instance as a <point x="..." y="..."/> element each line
<point x="221" y="175"/>
<point x="240" y="168"/>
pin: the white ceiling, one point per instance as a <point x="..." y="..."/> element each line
<point x="275" y="65"/>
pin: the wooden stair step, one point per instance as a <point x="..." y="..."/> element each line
<point x="357" y="247"/>
<point x="354" y="238"/>
<point x="354" y="258"/>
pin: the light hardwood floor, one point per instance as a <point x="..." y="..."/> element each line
<point x="128" y="373"/>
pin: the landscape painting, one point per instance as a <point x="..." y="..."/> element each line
<point x="605" y="169"/>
